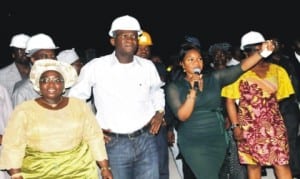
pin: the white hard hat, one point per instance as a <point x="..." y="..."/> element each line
<point x="38" y="42"/>
<point x="125" y="23"/>
<point x="69" y="56"/>
<point x="251" y="37"/>
<point x="19" y="41"/>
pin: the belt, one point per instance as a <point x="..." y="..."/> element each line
<point x="130" y="135"/>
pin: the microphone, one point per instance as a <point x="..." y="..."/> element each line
<point x="197" y="71"/>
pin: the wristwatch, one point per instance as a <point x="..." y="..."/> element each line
<point x="161" y="111"/>
<point x="233" y="126"/>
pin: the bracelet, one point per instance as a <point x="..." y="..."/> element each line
<point x="161" y="111"/>
<point x="233" y="126"/>
<point x="190" y="97"/>
<point x="16" y="175"/>
<point x="105" y="168"/>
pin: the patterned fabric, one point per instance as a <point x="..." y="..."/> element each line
<point x="264" y="130"/>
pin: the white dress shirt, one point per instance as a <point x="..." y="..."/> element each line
<point x="9" y="75"/>
<point x="5" y="108"/>
<point x="126" y="95"/>
<point x="232" y="62"/>
<point x="23" y="91"/>
<point x="5" y="111"/>
<point x="297" y="57"/>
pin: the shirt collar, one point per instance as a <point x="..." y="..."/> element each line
<point x="297" y="57"/>
<point x="115" y="61"/>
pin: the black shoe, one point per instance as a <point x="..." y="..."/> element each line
<point x="264" y="172"/>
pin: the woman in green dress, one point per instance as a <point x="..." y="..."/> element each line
<point x="196" y="101"/>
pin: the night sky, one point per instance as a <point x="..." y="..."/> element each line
<point x="85" y="24"/>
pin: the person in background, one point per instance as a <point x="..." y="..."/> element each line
<point x="71" y="57"/>
<point x="156" y="58"/>
<point x="129" y="100"/>
<point x="236" y="56"/>
<point x="289" y="107"/>
<point x="40" y="148"/>
<point x="294" y="58"/>
<point x="257" y="124"/>
<point x="39" y="46"/>
<point x="5" y="110"/>
<point x="144" y="47"/>
<point x="196" y="101"/>
<point x="144" y="51"/>
<point x="220" y="55"/>
<point x="20" y="67"/>
<point x="231" y="168"/>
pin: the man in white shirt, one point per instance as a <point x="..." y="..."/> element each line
<point x="20" y="68"/>
<point x="39" y="46"/>
<point x="129" y="102"/>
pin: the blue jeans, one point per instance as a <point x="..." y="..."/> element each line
<point x="134" y="157"/>
<point x="163" y="153"/>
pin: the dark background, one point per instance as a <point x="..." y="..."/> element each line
<point x="85" y="24"/>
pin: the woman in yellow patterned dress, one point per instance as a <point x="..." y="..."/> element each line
<point x="258" y="125"/>
<point x="53" y="137"/>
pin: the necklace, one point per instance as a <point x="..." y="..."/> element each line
<point x="54" y="105"/>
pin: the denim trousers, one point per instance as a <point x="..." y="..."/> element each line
<point x="133" y="157"/>
<point x="163" y="152"/>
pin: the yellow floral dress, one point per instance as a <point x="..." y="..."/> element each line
<point x="258" y="112"/>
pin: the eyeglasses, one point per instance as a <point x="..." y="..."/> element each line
<point x="51" y="80"/>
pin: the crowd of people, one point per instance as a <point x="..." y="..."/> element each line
<point x="234" y="110"/>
